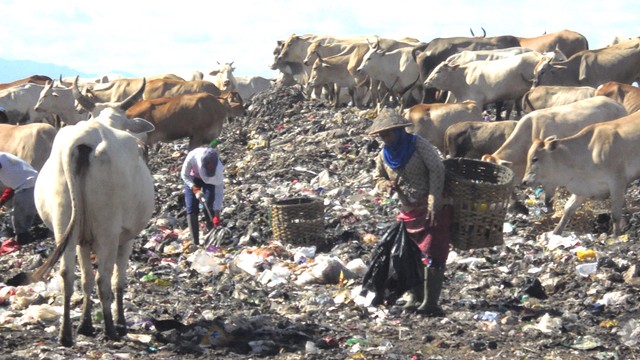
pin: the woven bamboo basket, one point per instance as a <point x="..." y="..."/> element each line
<point x="479" y="192"/>
<point x="298" y="221"/>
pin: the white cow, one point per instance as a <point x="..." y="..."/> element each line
<point x="467" y="56"/>
<point x="597" y="162"/>
<point x="60" y="101"/>
<point x="246" y="86"/>
<point x="396" y="69"/>
<point x="95" y="192"/>
<point x="19" y="101"/>
<point x="486" y="81"/>
<point x="223" y="77"/>
<point x="561" y="121"/>
<point x="542" y="97"/>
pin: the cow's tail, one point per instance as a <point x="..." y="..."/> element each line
<point x="75" y="163"/>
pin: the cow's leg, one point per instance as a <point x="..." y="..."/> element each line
<point x="120" y="281"/>
<point x="570" y="208"/>
<point x="106" y="256"/>
<point x="67" y="266"/>
<point x="499" y="106"/>
<point x="336" y="96"/>
<point x="617" y="204"/>
<point x="88" y="281"/>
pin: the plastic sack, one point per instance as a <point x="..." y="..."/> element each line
<point x="396" y="266"/>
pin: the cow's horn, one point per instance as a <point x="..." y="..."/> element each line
<point x="133" y="98"/>
<point x="83" y="100"/>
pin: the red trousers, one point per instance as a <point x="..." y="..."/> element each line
<point x="432" y="241"/>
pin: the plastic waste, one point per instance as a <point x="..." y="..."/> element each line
<point x="204" y="263"/>
<point x="304" y="253"/>
<point x="586" y="254"/>
<point x="586" y="269"/>
<point x="630" y="333"/>
<point x="487" y="315"/>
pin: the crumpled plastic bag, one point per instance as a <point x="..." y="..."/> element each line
<point x="396" y="266"/>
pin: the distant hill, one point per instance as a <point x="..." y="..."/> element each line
<point x="11" y="70"/>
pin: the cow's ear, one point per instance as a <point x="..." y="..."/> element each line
<point x="139" y="125"/>
<point x="551" y="145"/>
<point x="584" y="68"/>
<point x="551" y="138"/>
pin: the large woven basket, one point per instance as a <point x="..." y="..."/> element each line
<point x="479" y="192"/>
<point x="298" y="221"/>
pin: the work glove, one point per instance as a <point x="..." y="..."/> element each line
<point x="216" y="221"/>
<point x="197" y="192"/>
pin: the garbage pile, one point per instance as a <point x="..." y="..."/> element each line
<point x="245" y="294"/>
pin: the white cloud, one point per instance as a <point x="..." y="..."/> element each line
<point x="148" y="38"/>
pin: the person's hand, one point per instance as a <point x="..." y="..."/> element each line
<point x="197" y="192"/>
<point x="216" y="221"/>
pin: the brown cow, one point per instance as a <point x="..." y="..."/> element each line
<point x="627" y="95"/>
<point x="197" y="116"/>
<point x="620" y="62"/>
<point x="120" y="89"/>
<point x="30" y="142"/>
<point x="431" y="120"/>
<point x="33" y="79"/>
<point x="472" y="139"/>
<point x="567" y="41"/>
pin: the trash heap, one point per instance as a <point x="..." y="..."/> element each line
<point x="245" y="293"/>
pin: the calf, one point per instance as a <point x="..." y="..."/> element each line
<point x="594" y="163"/>
<point x="472" y="139"/>
<point x="95" y="192"/>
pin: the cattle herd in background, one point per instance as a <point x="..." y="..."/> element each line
<point x="578" y="125"/>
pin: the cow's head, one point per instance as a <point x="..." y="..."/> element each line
<point x="544" y="69"/>
<point x="225" y="80"/>
<point x="375" y="53"/>
<point x="113" y="113"/>
<point x="537" y="157"/>
<point x="439" y="77"/>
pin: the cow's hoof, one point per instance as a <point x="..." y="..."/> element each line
<point x="87" y="330"/>
<point x="66" y="342"/>
<point x="122" y="330"/>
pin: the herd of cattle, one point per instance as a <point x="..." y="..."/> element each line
<point x="579" y="129"/>
<point x="580" y="108"/>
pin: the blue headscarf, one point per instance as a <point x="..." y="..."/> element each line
<point x="396" y="155"/>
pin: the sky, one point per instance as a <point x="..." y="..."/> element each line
<point x="145" y="38"/>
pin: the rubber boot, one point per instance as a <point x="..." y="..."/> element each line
<point x="194" y="228"/>
<point x="434" y="277"/>
<point x="416" y="296"/>
<point x="24" y="238"/>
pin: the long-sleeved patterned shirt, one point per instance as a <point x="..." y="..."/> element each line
<point x="421" y="180"/>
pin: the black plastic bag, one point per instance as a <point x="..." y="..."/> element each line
<point x="396" y="266"/>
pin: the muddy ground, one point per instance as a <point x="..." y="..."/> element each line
<point x="520" y="300"/>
